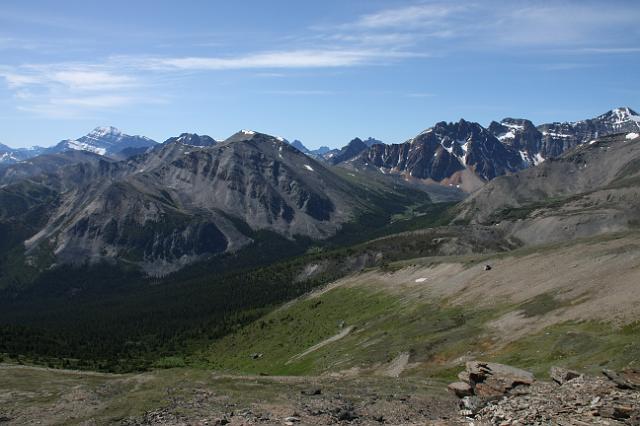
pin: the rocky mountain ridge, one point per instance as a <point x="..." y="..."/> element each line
<point x="192" y="139"/>
<point x="466" y="154"/>
<point x="181" y="202"/>
<point x="107" y="141"/>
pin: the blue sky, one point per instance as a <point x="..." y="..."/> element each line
<point x="322" y="72"/>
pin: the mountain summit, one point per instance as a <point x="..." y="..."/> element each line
<point x="106" y="141"/>
<point x="192" y="139"/>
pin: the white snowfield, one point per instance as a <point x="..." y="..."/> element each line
<point x="81" y="146"/>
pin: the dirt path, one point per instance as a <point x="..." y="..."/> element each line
<point x="398" y="365"/>
<point x="325" y="342"/>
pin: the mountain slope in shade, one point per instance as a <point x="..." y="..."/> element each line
<point x="105" y="141"/>
<point x="179" y="203"/>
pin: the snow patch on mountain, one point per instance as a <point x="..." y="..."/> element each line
<point x="508" y="135"/>
<point x="537" y="159"/>
<point x="82" y="146"/>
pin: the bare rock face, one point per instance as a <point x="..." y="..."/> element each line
<point x="491" y="380"/>
<point x="444" y="150"/>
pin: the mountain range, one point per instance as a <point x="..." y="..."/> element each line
<point x="178" y="202"/>
<point x="106" y="141"/>
<point x="467" y="154"/>
<point x="110" y="196"/>
<point x="462" y="154"/>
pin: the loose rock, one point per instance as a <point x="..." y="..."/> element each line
<point x="491" y="380"/>
<point x="461" y="389"/>
<point x="561" y="375"/>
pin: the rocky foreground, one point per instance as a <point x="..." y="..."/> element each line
<point x="496" y="394"/>
<point x="488" y="394"/>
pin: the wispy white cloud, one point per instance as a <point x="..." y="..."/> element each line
<point x="469" y="25"/>
<point x="299" y="92"/>
<point x="72" y="76"/>
<point x="606" y="50"/>
<point x="92" y="80"/>
<point x="370" y="40"/>
<point x="420" y="95"/>
<point x="81" y="106"/>
<point x="564" y="23"/>
<point x="309" y="58"/>
<point x="565" y="66"/>
<point x="65" y="89"/>
<point x="100" y="101"/>
<point x="70" y="90"/>
<point x="410" y="16"/>
<point x="16" y="79"/>
<point x="271" y="74"/>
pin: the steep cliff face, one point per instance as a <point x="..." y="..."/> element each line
<point x="466" y="154"/>
<point x="443" y="152"/>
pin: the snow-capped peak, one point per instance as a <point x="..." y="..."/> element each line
<point x="105" y="131"/>
<point x="511" y="125"/>
<point x="248" y="132"/>
<point x="621" y="115"/>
